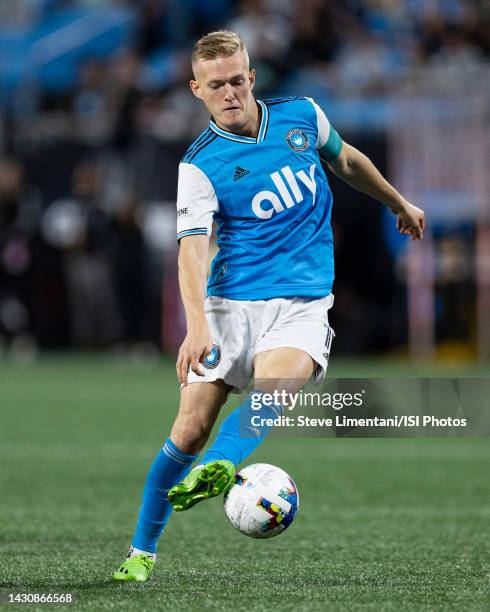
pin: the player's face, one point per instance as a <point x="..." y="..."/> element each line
<point x="225" y="86"/>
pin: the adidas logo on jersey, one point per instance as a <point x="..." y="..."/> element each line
<point x="278" y="204"/>
<point x="239" y="173"/>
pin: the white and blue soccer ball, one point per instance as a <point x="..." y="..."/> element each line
<point x="263" y="502"/>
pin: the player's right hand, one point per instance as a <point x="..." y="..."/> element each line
<point x="196" y="345"/>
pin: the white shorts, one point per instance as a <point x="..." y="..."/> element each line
<point x="241" y="329"/>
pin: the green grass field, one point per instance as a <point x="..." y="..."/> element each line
<point x="384" y="524"/>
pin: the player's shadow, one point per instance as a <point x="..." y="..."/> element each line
<point x="67" y="587"/>
<point x="89" y="585"/>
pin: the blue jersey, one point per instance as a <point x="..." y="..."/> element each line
<point x="270" y="200"/>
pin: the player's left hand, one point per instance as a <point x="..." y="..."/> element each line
<point x="411" y="221"/>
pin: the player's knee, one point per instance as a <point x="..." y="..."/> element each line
<point x="190" y="436"/>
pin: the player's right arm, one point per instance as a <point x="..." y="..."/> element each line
<point x="196" y="205"/>
<point x="193" y="266"/>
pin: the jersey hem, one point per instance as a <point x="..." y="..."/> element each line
<point x="285" y="291"/>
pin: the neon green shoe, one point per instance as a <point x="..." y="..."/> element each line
<point x="137" y="568"/>
<point x="203" y="482"/>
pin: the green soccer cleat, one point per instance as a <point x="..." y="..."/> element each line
<point x="137" y="568"/>
<point x="203" y="482"/>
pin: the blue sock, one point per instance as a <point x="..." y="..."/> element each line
<point x="238" y="436"/>
<point x="167" y="469"/>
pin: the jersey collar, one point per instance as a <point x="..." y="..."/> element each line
<point x="245" y="139"/>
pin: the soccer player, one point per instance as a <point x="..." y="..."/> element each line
<point x="257" y="172"/>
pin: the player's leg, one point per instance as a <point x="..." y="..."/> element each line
<point x="291" y="343"/>
<point x="285" y="368"/>
<point x="205" y="480"/>
<point x="281" y="369"/>
<point x="290" y="351"/>
<point x="199" y="406"/>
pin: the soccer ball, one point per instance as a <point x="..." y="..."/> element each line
<point x="263" y="501"/>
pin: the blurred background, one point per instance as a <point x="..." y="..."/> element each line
<point x="95" y="114"/>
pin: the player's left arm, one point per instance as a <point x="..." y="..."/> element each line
<point x="359" y="172"/>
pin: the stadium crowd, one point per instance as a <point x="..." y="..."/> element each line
<point x="88" y="166"/>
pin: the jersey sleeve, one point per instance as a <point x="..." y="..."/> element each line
<point x="196" y="202"/>
<point x="328" y="143"/>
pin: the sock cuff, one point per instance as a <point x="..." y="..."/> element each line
<point x="175" y="453"/>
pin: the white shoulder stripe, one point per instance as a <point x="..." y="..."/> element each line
<point x="323" y="125"/>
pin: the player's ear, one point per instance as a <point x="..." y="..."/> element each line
<point x="251" y="78"/>
<point x="196" y="89"/>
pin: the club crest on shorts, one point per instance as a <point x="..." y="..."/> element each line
<point x="297" y="140"/>
<point x="213" y="358"/>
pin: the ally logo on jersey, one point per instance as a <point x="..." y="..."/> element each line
<point x="265" y="203"/>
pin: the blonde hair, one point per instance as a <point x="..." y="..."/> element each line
<point x="222" y="43"/>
